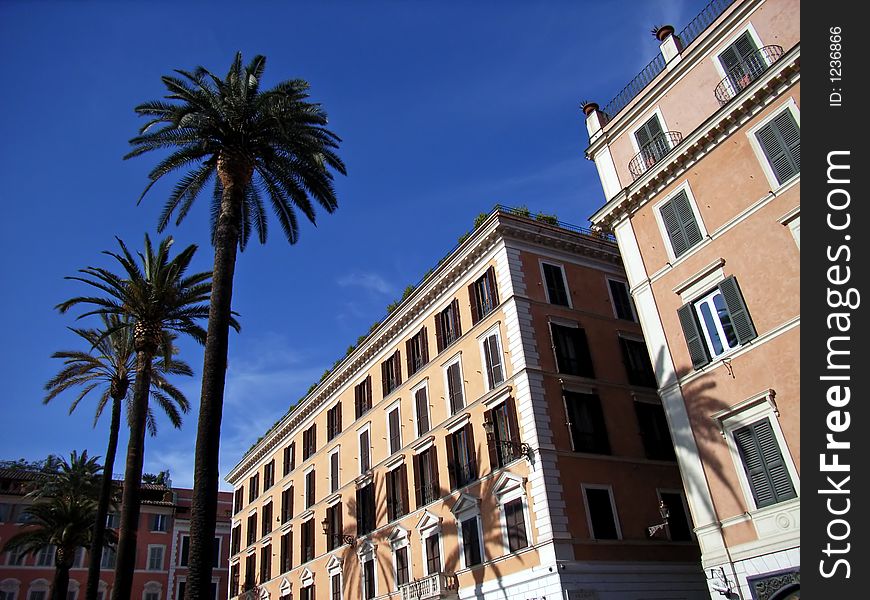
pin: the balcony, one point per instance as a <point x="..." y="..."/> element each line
<point x="653" y="152"/>
<point x="440" y="585"/>
<point x="745" y="72"/>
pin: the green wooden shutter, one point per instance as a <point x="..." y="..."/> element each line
<point x="680" y="223"/>
<point x="781" y="141"/>
<point x="768" y="476"/>
<point x="694" y="339"/>
<point x="740" y="319"/>
<point x="648" y="132"/>
<point x="743" y="48"/>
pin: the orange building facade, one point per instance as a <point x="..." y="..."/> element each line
<point x="699" y="159"/>
<point x="498" y="435"/>
<point x="161" y="555"/>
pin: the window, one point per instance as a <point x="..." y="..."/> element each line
<point x="253" y="487"/>
<point x="679" y="526"/>
<point x="426" y="486"/>
<point x="148" y="595"/>
<point x="391" y="373"/>
<point x="238" y="502"/>
<point x="309" y="441"/>
<point x="252" y="528"/>
<point x="492" y="360"/>
<point x="716" y="323"/>
<point x="234" y="580"/>
<point x="108" y="559"/>
<point x="448" y="328"/>
<point x="365" y="509"/>
<point x="6" y="510"/>
<point x="586" y="423"/>
<point x="184" y="557"/>
<point x="781" y="141"/>
<point x="652" y="143"/>
<point x="287" y="504"/>
<point x="766" y="471"/>
<point x="397" y="493"/>
<point x="334" y="482"/>
<point x="335" y="585"/>
<point x="158" y="522"/>
<point x="515" y="523"/>
<point x="421" y="406"/>
<point x="365" y="451"/>
<point x="680" y="224"/>
<point x="557" y="288"/>
<point x="417" y="351"/>
<point x="17" y="559"/>
<point x="503" y="442"/>
<point x="623" y="307"/>
<point x="267" y="519"/>
<point x="308" y="540"/>
<point x="265" y="563"/>
<point x="309" y="489"/>
<point x="433" y="555"/>
<point x="402" y="571"/>
<point x="461" y="462"/>
<point x="362" y="397"/>
<point x="45" y="556"/>
<point x="483" y="296"/>
<point x="471" y="541"/>
<point x="216" y="553"/>
<point x="236" y="539"/>
<point x="307" y="592"/>
<point x="572" y="350"/>
<point x="37" y="595"/>
<point x="286" y="551"/>
<point x="741" y="62"/>
<point x="334" y="527"/>
<point x="455" y="394"/>
<point x="654" y="432"/>
<point x="155" y="558"/>
<point x="601" y="512"/>
<point x="333" y="422"/>
<point x="250" y="571"/>
<point x="368" y="579"/>
<point x="182" y="585"/>
<point x="395" y="430"/>
<point x="289" y="458"/>
<point x="638" y="367"/>
<point x="268" y="475"/>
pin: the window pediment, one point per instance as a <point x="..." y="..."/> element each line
<point x="466" y="504"/>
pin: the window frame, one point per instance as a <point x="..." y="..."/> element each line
<point x="511" y="488"/>
<point x="614" y="513"/>
<point x="663" y="230"/>
<point x="483" y="295"/>
<point x="397" y="408"/>
<point x="752" y="134"/>
<point x="367" y="451"/>
<point x="489" y="379"/>
<point x="448" y="398"/>
<point x="631" y="307"/>
<point x="335" y="474"/>
<point x="422" y="386"/>
<point x="567" y="290"/>
<point x="565" y="324"/>
<point x="601" y="440"/>
<point x="149" y="557"/>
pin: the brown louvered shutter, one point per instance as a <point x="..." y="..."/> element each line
<point x="337" y="418"/>
<point x="418" y="489"/>
<point x="409" y="356"/>
<point x="454" y="307"/>
<point x="491" y="283"/>
<point x="512" y="419"/>
<point x="385" y="389"/>
<point x="397" y="365"/>
<point x="424" y="346"/>
<point x="694" y="340"/>
<point x="491" y="444"/>
<point x="391" y="495"/>
<point x="473" y="300"/>
<point x="471" y="458"/>
<point x="433" y="465"/>
<point x="439" y="332"/>
<point x="403" y="482"/>
<point x="452" y="465"/>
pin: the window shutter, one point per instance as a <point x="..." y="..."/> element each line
<point x="740" y="319"/>
<point x="648" y="132"/>
<point x="384" y="380"/>
<point x="781" y="142"/>
<point x="472" y="297"/>
<point x="454" y="308"/>
<point x="491" y="284"/>
<point x="488" y="354"/>
<point x="391" y="494"/>
<point x="512" y="419"/>
<point x="584" y="356"/>
<point x="687" y="219"/>
<point x="424" y="345"/>
<point x="471" y="453"/>
<point x="672" y="226"/>
<point x="403" y="481"/>
<point x="451" y="460"/>
<point x="337" y="417"/>
<point x="418" y="489"/>
<point x="397" y="365"/>
<point x="768" y="477"/>
<point x="491" y="442"/>
<point x="770" y="451"/>
<point x="694" y="340"/>
<point x="433" y="465"/>
<point x="439" y="332"/>
<point x="408" y="356"/>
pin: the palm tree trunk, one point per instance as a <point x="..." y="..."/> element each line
<point x="96" y="550"/>
<point x="63" y="559"/>
<point x="203" y="511"/>
<point x="133" y="479"/>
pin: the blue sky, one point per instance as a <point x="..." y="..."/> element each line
<point x="444" y="108"/>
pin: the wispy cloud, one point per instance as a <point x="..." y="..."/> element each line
<point x="367" y="281"/>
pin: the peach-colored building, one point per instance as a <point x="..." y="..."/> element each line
<point x="498" y="435"/>
<point x="161" y="555"/>
<point x="699" y="159"/>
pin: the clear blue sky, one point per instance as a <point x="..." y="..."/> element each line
<point x="445" y="109"/>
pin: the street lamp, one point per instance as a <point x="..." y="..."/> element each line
<point x="516" y="447"/>
<point x="345" y="539"/>
<point x="665" y="513"/>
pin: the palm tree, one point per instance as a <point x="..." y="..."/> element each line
<point x="161" y="300"/>
<point x="110" y="365"/>
<point x="62" y="517"/>
<point x="248" y="142"/>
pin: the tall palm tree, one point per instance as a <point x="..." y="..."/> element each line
<point x="248" y="142"/>
<point x="161" y="300"/>
<point x="109" y="365"/>
<point x="62" y="516"/>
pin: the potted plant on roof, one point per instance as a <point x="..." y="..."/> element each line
<point x="661" y="32"/>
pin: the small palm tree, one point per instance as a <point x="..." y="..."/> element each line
<point x="160" y="301"/>
<point x="109" y="365"/>
<point x="248" y="142"/>
<point x="62" y="517"/>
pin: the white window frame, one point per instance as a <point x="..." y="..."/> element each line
<point x="163" y="519"/>
<point x="561" y="266"/>
<point x="707" y="298"/>
<point x="366" y="552"/>
<point x="685" y="504"/>
<point x="422" y="385"/>
<point x="510" y="487"/>
<point x="152" y="587"/>
<point x="305" y="473"/>
<point x="717" y="63"/>
<point x="365" y="428"/>
<point x="39" y="585"/>
<point x="11" y="587"/>
<point x="45" y="556"/>
<point x="334" y="486"/>
<point x="455" y="359"/>
<point x="397" y="405"/>
<point x="609" y="489"/>
<point x="495" y="330"/>
<point x="643" y="121"/>
<point x="400" y="538"/>
<point x="751" y="133"/>
<point x="152" y="548"/>
<point x="468" y="507"/>
<point x="663" y="231"/>
<point x="631" y="306"/>
<point x="792" y="220"/>
<point x="427" y="526"/>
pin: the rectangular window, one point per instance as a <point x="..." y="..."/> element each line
<point x="397" y="493"/>
<point x="572" y="351"/>
<point x="765" y="468"/>
<point x="335" y="584"/>
<point x="368" y="579"/>
<point x="309" y="489"/>
<point x="365" y="509"/>
<point x="6" y="512"/>
<point x="236" y="539"/>
<point x="307" y="593"/>
<point x="601" y="513"/>
<point x="333" y="421"/>
<point x="365" y="451"/>
<point x="109" y="558"/>
<point x="362" y="397"/>
<point x="334" y="527"/>
<point x="492" y="360"/>
<point x="252" y="528"/>
<point x="781" y="141"/>
<point x="391" y="373"/>
<point x="253" y="487"/>
<point x="638" y="367"/>
<point x="216" y="553"/>
<point x="504" y="441"/>
<point x="184" y="558"/>
<point x="426" y="485"/>
<point x="158" y="522"/>
<point x="235" y="589"/>
<point x="37" y="595"/>
<point x="309" y="441"/>
<point x="483" y="296"/>
<point x="716" y="323"/>
<point x="586" y="423"/>
<point x="395" y="429"/>
<point x="516" y="525"/>
<point x="286" y="551"/>
<point x="742" y="63"/>
<point x="289" y="458"/>
<point x="433" y="555"/>
<point x="461" y="462"/>
<point x="421" y="404"/>
<point x="113" y="520"/>
<point x="287" y="504"/>
<point x="623" y="307"/>
<point x="308" y="540"/>
<point x="447" y="326"/>
<point x="250" y="571"/>
<point x="238" y="501"/>
<point x="267" y="519"/>
<point x="679" y="526"/>
<point x="402" y="575"/>
<point x="182" y="588"/>
<point x="654" y="432"/>
<point x="334" y="482"/>
<point x="45" y="556"/>
<point x="680" y="224"/>
<point x="268" y="475"/>
<point x="454" y="387"/>
<point x="417" y="351"/>
<point x="148" y="596"/>
<point x="554" y="279"/>
<point x="471" y="542"/>
<point x="265" y="563"/>
<point x="652" y="143"/>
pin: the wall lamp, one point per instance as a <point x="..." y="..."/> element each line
<point x="665" y="513"/>
<point x="345" y="539"/>
<point x="516" y="448"/>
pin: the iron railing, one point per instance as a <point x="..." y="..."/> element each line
<point x="653" y="152"/>
<point x="745" y="72"/>
<point x="433" y="586"/>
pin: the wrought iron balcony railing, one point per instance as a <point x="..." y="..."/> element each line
<point x="653" y="152"/>
<point x="440" y="585"/>
<point x="745" y="72"/>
